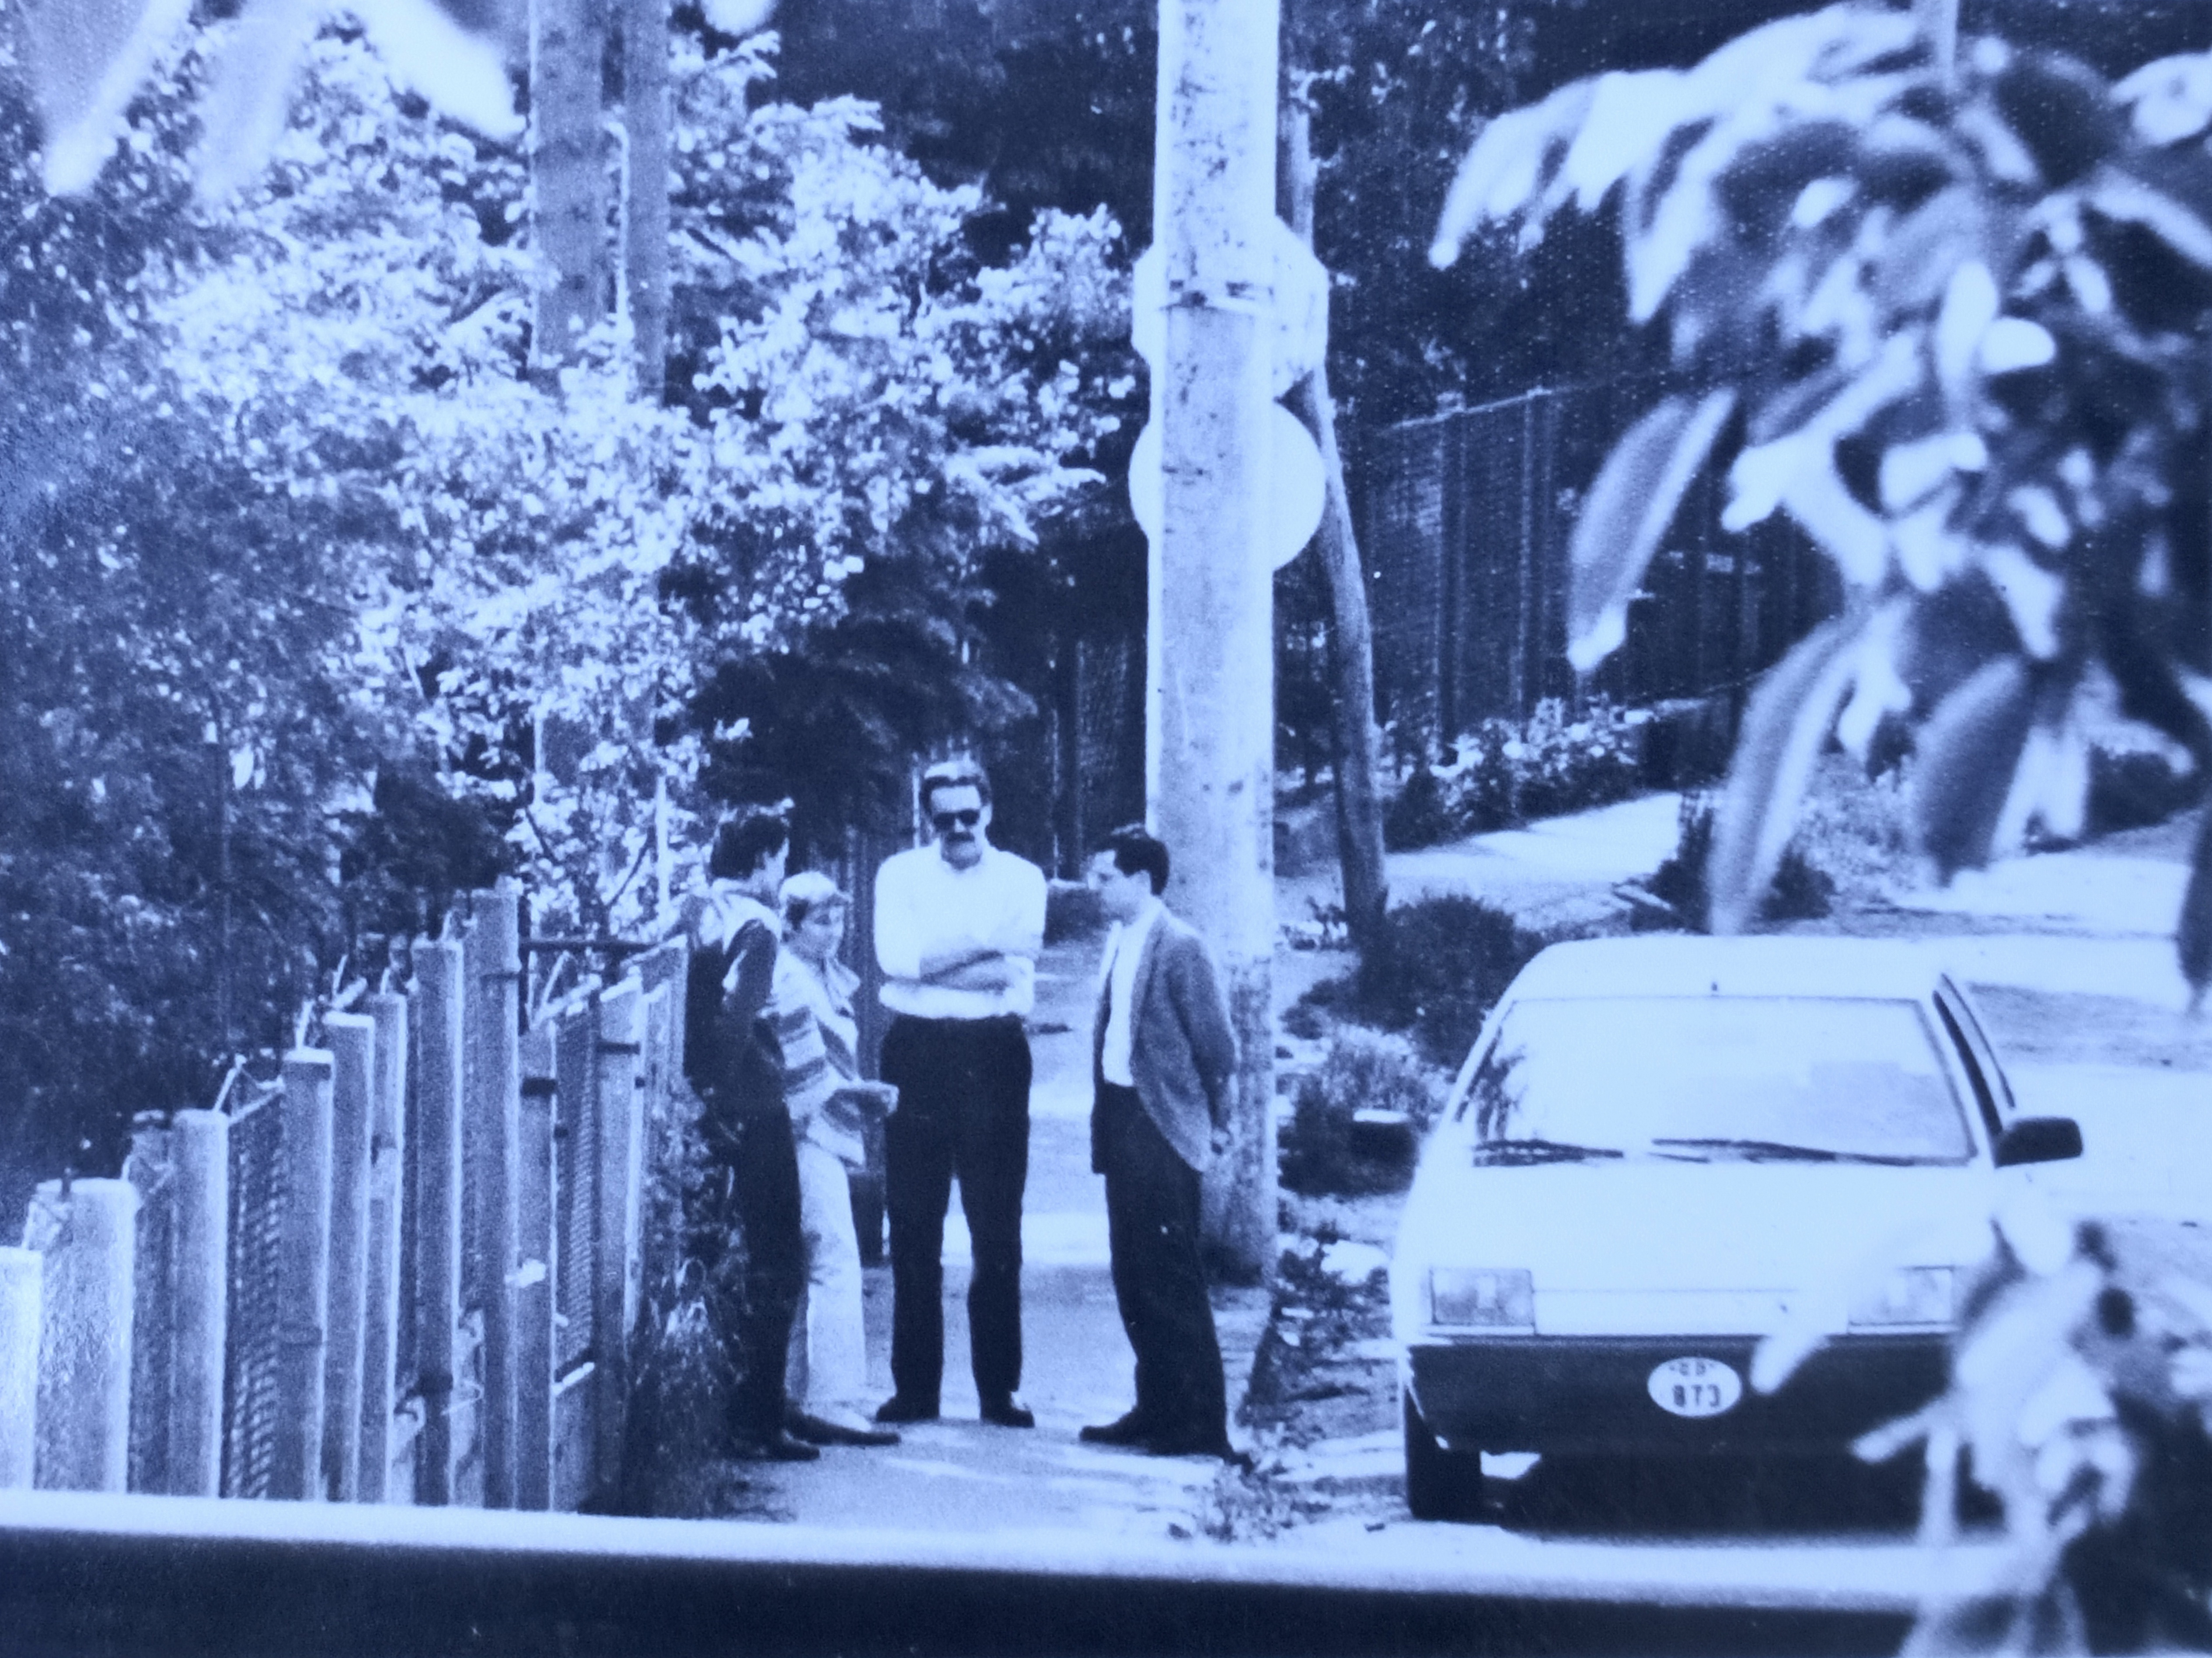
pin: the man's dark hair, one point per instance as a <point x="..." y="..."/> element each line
<point x="743" y="842"/>
<point x="954" y="774"/>
<point x="1135" y="850"/>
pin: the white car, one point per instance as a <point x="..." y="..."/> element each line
<point x="1663" y="1150"/>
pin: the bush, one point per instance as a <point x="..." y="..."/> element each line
<point x="1435" y="973"/>
<point x="1417" y="817"/>
<point x="1505" y="772"/>
<point x="1801" y="889"/>
<point x="1364" y="1070"/>
<point x="2133" y="788"/>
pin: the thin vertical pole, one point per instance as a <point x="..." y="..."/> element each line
<point x="84" y="1356"/>
<point x="353" y="1048"/>
<point x="23" y="1273"/>
<point x="616" y="1274"/>
<point x="199" y="1161"/>
<point x="437" y="1008"/>
<point x="379" y="1336"/>
<point x="303" y="1271"/>
<point x="1210" y="759"/>
<point x="493" y="1107"/>
<point x="533" y="1297"/>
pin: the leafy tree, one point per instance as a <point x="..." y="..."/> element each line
<point x="1951" y="317"/>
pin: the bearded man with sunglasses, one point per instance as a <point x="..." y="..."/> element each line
<point x="958" y="928"/>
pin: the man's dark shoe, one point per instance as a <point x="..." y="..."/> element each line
<point x="819" y="1430"/>
<point x="899" y="1408"/>
<point x="778" y="1447"/>
<point x="1129" y="1429"/>
<point x="1006" y="1412"/>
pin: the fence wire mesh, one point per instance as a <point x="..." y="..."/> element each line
<point x="251" y="1399"/>
<point x="153" y="1308"/>
<point x="576" y="1160"/>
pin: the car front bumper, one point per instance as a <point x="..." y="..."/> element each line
<point x="1589" y="1396"/>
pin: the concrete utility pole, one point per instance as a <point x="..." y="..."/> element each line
<point x="1211" y="686"/>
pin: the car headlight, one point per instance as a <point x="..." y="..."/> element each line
<point x="1482" y="1297"/>
<point x="1911" y="1294"/>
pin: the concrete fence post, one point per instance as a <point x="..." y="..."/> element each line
<point x="23" y="1273"/>
<point x="303" y="1273"/>
<point x="617" y="1271"/>
<point x="535" y="1238"/>
<point x="352" y="1038"/>
<point x="84" y="1356"/>
<point x="153" y="1301"/>
<point x="380" y="1337"/>
<point x="494" y="1079"/>
<point x="437" y="1010"/>
<point x="199" y="1164"/>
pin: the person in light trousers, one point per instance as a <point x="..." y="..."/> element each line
<point x="828" y="1378"/>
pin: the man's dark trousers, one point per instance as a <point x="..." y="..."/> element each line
<point x="963" y="1109"/>
<point x="761" y="1172"/>
<point x="1152" y="1227"/>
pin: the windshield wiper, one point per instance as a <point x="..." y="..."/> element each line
<point x="1513" y="1151"/>
<point x="1778" y="1151"/>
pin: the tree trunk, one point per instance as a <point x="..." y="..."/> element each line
<point x="1351" y="638"/>
<point x="567" y="179"/>
<point x="644" y="217"/>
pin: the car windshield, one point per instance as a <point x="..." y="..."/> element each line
<point x="1715" y="1078"/>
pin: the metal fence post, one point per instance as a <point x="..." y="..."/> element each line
<point x="437" y="1010"/>
<point x="379" y="1339"/>
<point x="533" y="1293"/>
<point x="199" y="1184"/>
<point x="22" y="1273"/>
<point x="84" y="1357"/>
<point x="616" y="1269"/>
<point x="352" y="1037"/>
<point x="303" y="1276"/>
<point x="495" y="973"/>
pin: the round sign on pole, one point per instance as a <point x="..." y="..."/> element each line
<point x="1296" y="487"/>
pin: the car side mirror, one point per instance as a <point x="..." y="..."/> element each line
<point x="2039" y="1139"/>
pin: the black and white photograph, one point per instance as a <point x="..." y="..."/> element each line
<point x="1105" y="827"/>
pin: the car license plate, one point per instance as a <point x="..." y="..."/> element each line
<point x="1694" y="1386"/>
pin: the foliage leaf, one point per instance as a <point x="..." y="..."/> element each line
<point x="1629" y="508"/>
<point x="1783" y="728"/>
<point x="1969" y="755"/>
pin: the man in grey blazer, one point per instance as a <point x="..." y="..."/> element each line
<point x="1163" y="1065"/>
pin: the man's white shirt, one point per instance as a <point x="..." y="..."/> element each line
<point x="1125" y="948"/>
<point x="925" y="906"/>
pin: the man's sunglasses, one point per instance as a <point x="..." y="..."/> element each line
<point x="946" y="822"/>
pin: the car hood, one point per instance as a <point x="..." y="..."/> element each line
<point x="1633" y="1246"/>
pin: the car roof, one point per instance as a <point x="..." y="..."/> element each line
<point x="1677" y="964"/>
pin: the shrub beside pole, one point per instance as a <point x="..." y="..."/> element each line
<point x="618" y="1275"/>
<point x="23" y="1273"/>
<point x="533" y="1294"/>
<point x="379" y="1337"/>
<point x="494" y="1083"/>
<point x="436" y="1008"/>
<point x="199" y="1164"/>
<point x="352" y="1038"/>
<point x="303" y="1271"/>
<point x="84" y="1359"/>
